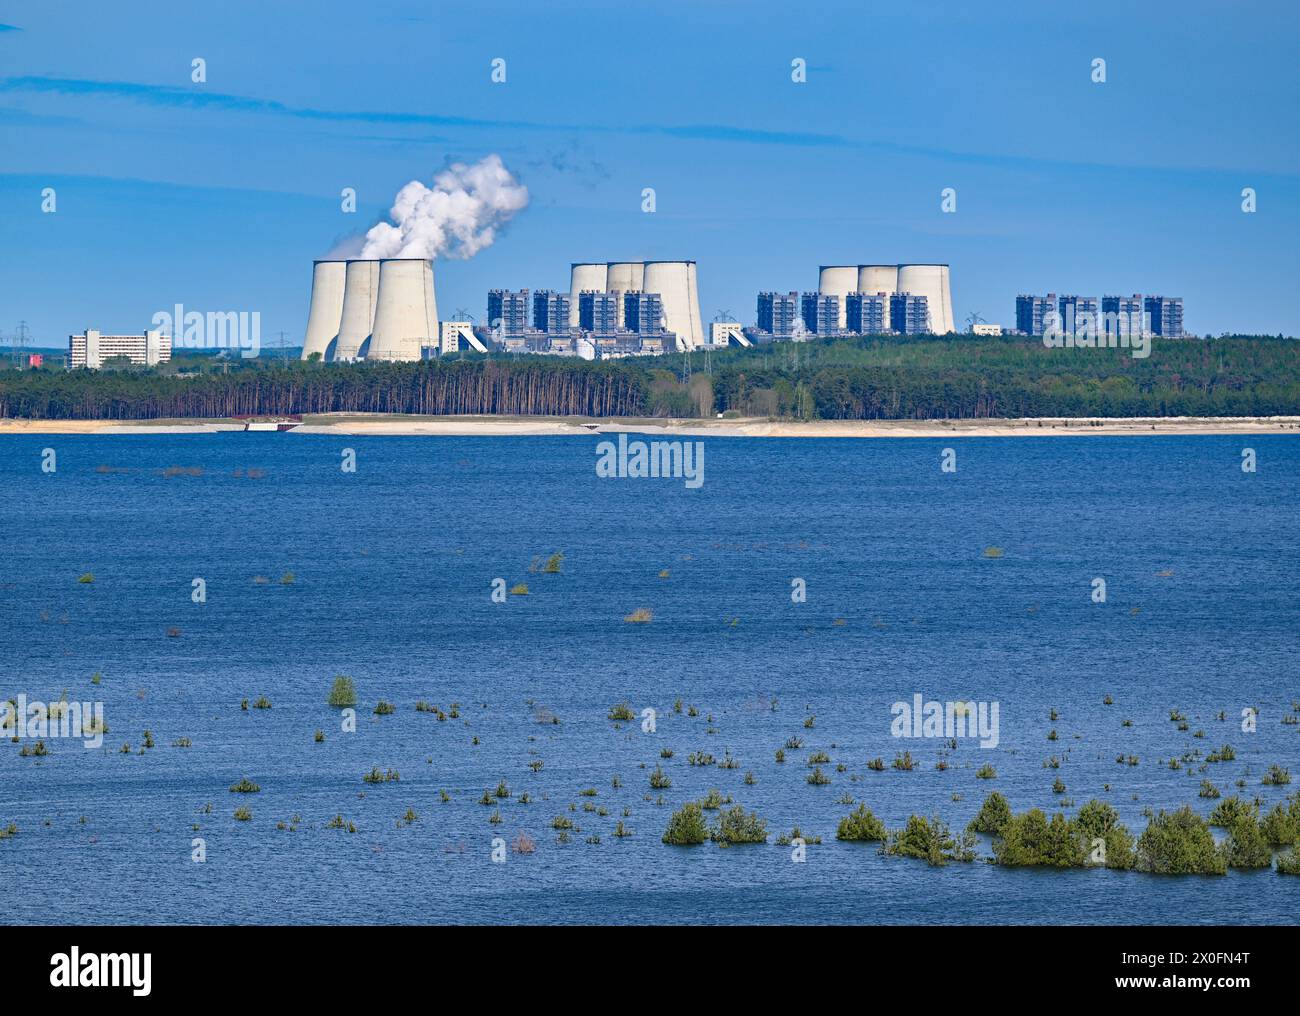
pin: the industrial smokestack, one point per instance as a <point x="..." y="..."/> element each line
<point x="406" y="313"/>
<point x="360" y="287"/>
<point x="930" y="281"/>
<point x="326" y="309"/>
<point x="584" y="276"/>
<point x="838" y="280"/>
<point x="677" y="285"/>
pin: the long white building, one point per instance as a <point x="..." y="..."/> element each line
<point x="90" y="349"/>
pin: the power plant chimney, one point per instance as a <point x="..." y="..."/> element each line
<point x="326" y="310"/>
<point x="406" y="313"/>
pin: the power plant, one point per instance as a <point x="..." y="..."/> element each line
<point x="929" y="281"/>
<point x="386" y="310"/>
<point x="371" y="310"/>
<point x="675" y="282"/>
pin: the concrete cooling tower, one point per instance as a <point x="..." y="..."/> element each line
<point x="838" y="280"/>
<point x="584" y="276"/>
<point x="677" y="286"/>
<point x="930" y="281"/>
<point x="877" y="279"/>
<point x="624" y="277"/>
<point x="360" y="288"/>
<point x="406" y="314"/>
<point x="326" y="307"/>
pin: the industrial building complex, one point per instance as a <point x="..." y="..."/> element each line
<point x="385" y="310"/>
<point x="861" y="300"/>
<point x="1114" y="316"/>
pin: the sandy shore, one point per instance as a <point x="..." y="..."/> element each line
<point x="381" y="424"/>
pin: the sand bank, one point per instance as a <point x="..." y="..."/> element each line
<point x="379" y="424"/>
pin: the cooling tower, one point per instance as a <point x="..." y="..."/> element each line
<point x="406" y="313"/>
<point x="584" y="276"/>
<point x="326" y="307"/>
<point x="360" y="287"/>
<point x="677" y="286"/>
<point x="838" y="280"/>
<point x="930" y="281"/>
<point x="624" y="277"/>
<point x="875" y="279"/>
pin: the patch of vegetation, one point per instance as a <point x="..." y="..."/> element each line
<point x="1246" y="847"/>
<point x="735" y="826"/>
<point x="622" y="713"/>
<point x="1179" y="843"/>
<point x="1227" y="811"/>
<point x="343" y="694"/>
<point x="993" y="815"/>
<point x="1276" y="776"/>
<point x="930" y="840"/>
<point x="245" y="786"/>
<point x="687" y="827"/>
<point x="861" y="825"/>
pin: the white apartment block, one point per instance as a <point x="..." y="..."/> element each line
<point x="91" y="349"/>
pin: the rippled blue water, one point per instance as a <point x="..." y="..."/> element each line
<point x="393" y="568"/>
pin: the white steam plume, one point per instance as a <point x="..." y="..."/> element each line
<point x="456" y="218"/>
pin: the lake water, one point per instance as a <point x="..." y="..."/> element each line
<point x="392" y="575"/>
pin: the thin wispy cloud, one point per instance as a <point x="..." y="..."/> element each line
<point x="181" y="98"/>
<point x="10" y="28"/>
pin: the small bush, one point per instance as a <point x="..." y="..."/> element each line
<point x="343" y="694"/>
<point x="1246" y="846"/>
<point x="687" y="827"/>
<point x="1179" y="843"/>
<point x="993" y="815"/>
<point x="1227" y="811"/>
<point x="735" y="825"/>
<point x="861" y="825"/>
<point x="245" y="786"/>
<point x="929" y="840"/>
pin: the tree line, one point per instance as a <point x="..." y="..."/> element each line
<point x="880" y="377"/>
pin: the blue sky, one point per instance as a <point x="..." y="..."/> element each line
<point x="219" y="195"/>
